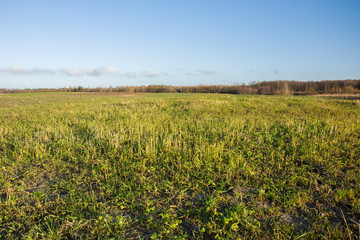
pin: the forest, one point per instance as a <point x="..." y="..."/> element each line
<point x="259" y="88"/>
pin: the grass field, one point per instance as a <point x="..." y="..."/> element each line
<point x="179" y="166"/>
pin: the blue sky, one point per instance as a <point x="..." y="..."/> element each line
<point x="63" y="43"/>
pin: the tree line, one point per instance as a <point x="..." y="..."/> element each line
<point x="262" y="88"/>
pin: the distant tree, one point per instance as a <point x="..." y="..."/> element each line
<point x="286" y="89"/>
<point x="349" y="90"/>
<point x="79" y="89"/>
<point x="311" y="91"/>
<point x="265" y="90"/>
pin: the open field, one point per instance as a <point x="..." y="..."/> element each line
<point x="179" y="166"/>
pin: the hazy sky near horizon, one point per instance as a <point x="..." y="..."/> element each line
<point x="176" y="42"/>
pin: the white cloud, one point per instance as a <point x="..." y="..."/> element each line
<point x="130" y="75"/>
<point x="207" y="72"/>
<point x="149" y="74"/>
<point x="102" y="71"/>
<point x="145" y="73"/>
<point x="21" y="71"/>
<point x="198" y="72"/>
<point x="186" y="72"/>
<point x="42" y="70"/>
<point x="79" y="72"/>
<point x="76" y="72"/>
<point x="13" y="70"/>
<point x="72" y="72"/>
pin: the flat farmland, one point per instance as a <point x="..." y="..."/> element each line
<point x="179" y="166"/>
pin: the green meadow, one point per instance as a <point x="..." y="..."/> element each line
<point x="179" y="166"/>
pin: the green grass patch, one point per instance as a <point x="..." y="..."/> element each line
<point x="179" y="166"/>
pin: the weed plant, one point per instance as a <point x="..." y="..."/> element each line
<point x="179" y="166"/>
